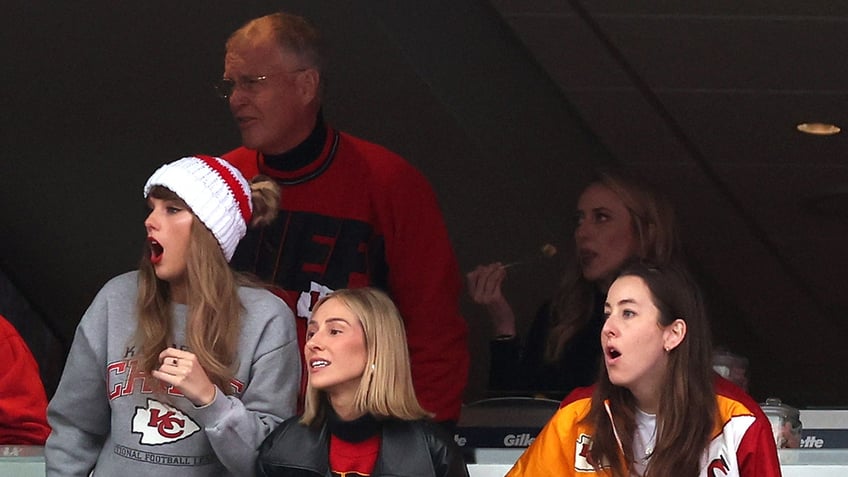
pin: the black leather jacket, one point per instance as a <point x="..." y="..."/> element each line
<point x="407" y="449"/>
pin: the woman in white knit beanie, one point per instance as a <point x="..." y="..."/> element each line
<point x="184" y="366"/>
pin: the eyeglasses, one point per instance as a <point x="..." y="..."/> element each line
<point x="249" y="84"/>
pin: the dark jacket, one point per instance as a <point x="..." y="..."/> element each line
<point x="407" y="449"/>
<point x="519" y="370"/>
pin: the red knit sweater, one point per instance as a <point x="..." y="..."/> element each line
<point x="358" y="215"/>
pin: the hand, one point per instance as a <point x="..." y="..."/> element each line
<point x="484" y="283"/>
<point x="484" y="287"/>
<point x="182" y="370"/>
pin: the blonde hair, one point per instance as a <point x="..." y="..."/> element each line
<point x="213" y="324"/>
<point x="385" y="390"/>
<point x="265" y="195"/>
<point x="655" y="229"/>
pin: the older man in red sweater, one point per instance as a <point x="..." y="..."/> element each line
<point x="352" y="213"/>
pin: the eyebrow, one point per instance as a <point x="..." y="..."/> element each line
<point x="625" y="301"/>
<point x="602" y="208"/>
<point x="329" y="320"/>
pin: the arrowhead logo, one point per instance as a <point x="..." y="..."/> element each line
<point x="160" y="423"/>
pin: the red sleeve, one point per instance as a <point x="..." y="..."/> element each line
<point x="23" y="403"/>
<point x="757" y="453"/>
<point x="425" y="283"/>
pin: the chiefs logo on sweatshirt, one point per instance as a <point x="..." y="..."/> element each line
<point x="160" y="423"/>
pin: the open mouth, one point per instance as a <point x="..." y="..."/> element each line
<point x="319" y="363"/>
<point x="586" y="256"/>
<point x="613" y="353"/>
<point x="156" y="250"/>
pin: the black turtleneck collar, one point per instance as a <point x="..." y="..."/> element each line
<point x="357" y="430"/>
<point x="303" y="153"/>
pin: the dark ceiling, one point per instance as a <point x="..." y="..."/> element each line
<point x="506" y="106"/>
<point x="705" y="97"/>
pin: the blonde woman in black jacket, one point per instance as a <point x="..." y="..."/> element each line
<point x="361" y="416"/>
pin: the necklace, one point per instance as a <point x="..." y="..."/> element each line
<point x="646" y="436"/>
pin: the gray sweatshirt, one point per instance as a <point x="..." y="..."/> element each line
<point x="106" y="416"/>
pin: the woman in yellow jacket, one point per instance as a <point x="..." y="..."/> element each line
<point x="657" y="408"/>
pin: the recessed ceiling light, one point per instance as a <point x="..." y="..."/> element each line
<point x="819" y="129"/>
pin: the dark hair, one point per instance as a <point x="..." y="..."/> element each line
<point x="687" y="406"/>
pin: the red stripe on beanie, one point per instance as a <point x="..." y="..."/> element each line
<point x="232" y="183"/>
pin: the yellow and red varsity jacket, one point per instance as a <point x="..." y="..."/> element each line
<point x="742" y="445"/>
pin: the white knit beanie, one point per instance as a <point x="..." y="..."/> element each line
<point x="215" y="191"/>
